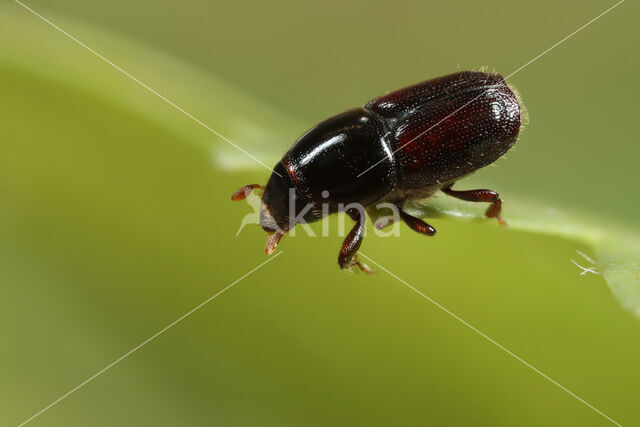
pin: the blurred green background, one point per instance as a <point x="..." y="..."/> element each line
<point x="116" y="219"/>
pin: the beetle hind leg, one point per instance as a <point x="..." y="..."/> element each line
<point x="348" y="256"/>
<point x="480" y="195"/>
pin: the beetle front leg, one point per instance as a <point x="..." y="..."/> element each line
<point x="348" y="256"/>
<point x="481" y="195"/>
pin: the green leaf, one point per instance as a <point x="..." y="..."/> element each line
<point x="616" y="248"/>
<point x="245" y="120"/>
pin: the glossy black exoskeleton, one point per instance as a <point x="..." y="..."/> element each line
<point x="401" y="146"/>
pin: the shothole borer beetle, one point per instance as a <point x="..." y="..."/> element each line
<point x="402" y="146"/>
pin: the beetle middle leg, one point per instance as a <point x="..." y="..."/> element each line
<point x="480" y="195"/>
<point x="416" y="224"/>
<point x="348" y="256"/>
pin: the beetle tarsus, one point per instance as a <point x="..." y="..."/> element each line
<point x="363" y="267"/>
<point x="480" y="195"/>
<point x="416" y="224"/>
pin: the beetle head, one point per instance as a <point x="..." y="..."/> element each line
<point x="274" y="212"/>
<point x="281" y="204"/>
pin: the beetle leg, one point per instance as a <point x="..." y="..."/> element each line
<point x="243" y="192"/>
<point x="348" y="256"/>
<point x="416" y="224"/>
<point x="481" y="195"/>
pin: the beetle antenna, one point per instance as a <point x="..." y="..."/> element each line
<point x="243" y="192"/>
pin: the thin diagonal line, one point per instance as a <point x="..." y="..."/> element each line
<point x="567" y="37"/>
<point x="168" y="101"/>
<point x="510" y="75"/>
<point x="136" y="348"/>
<point x="585" y="270"/>
<point x="419" y="135"/>
<point x="500" y="346"/>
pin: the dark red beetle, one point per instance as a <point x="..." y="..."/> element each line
<point x="402" y="146"/>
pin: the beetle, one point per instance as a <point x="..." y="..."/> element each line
<point x="402" y="146"/>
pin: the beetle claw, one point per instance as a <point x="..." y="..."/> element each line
<point x="355" y="262"/>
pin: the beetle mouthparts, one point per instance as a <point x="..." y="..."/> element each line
<point x="272" y="242"/>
